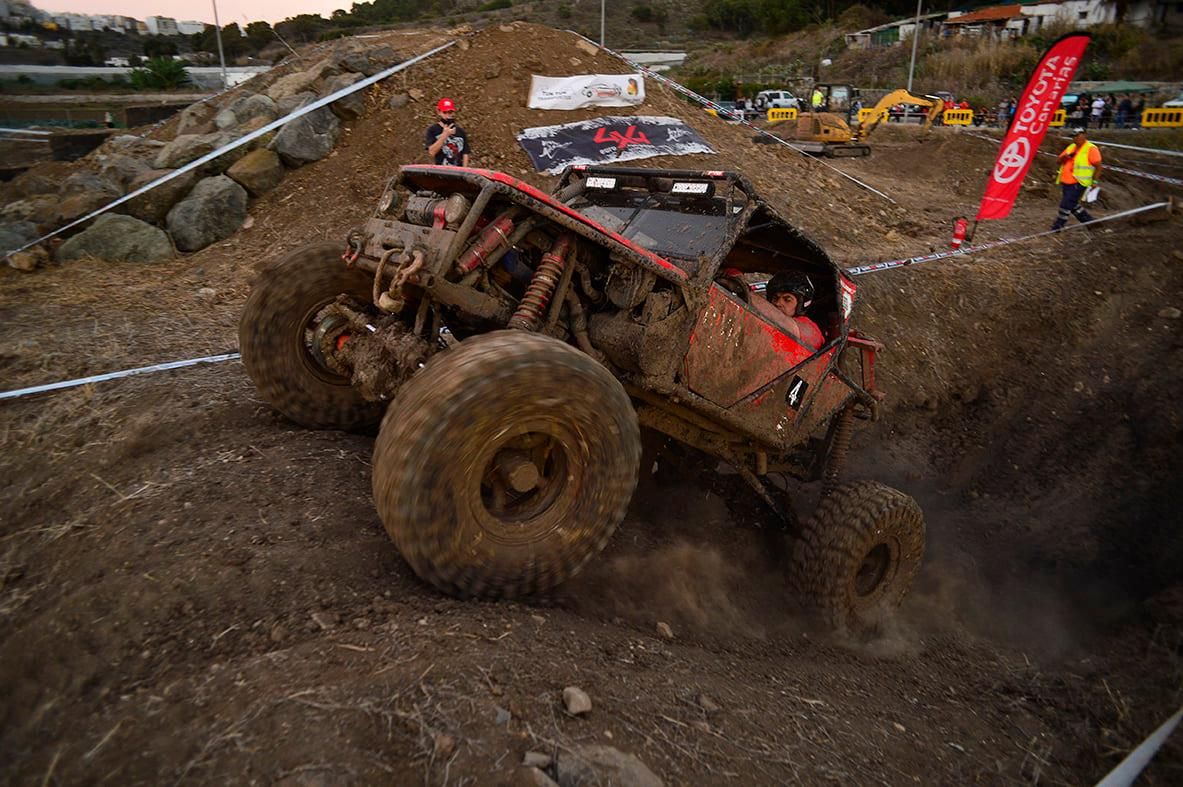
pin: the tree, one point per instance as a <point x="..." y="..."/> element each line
<point x="159" y="46"/>
<point x="259" y="35"/>
<point x="160" y="73"/>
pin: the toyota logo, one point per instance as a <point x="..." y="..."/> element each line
<point x="1012" y="161"/>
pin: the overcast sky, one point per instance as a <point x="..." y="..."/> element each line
<point x="199" y="10"/>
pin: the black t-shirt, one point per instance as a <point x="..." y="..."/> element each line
<point x="452" y="153"/>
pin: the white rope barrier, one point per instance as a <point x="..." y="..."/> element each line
<point x="98" y="378"/>
<point x="304" y="110"/>
<point x="1128" y="769"/>
<point x="875" y="267"/>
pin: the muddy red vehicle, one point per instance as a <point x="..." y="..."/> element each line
<point x="515" y="347"/>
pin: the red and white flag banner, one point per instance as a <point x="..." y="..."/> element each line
<point x="1037" y="108"/>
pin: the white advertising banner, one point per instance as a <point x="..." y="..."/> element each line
<point x="587" y="90"/>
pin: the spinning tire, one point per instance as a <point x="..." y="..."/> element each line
<point x="505" y="464"/>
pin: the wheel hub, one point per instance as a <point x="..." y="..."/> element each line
<point x="524" y="476"/>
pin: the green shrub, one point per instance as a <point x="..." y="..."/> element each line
<point x="496" y="5"/>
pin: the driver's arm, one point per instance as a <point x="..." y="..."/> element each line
<point x="782" y="321"/>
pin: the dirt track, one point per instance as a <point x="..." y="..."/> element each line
<point x="193" y="589"/>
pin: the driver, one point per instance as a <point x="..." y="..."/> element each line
<point x="790" y="292"/>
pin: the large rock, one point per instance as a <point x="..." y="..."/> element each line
<point x="39" y="209"/>
<point x="15" y="234"/>
<point x="591" y="764"/>
<point x="308" y="138"/>
<point x="351" y="106"/>
<point x="196" y="119"/>
<point x="121" y="169"/>
<point x="258" y="171"/>
<point x="290" y="85"/>
<point x="153" y="205"/>
<point x="83" y="193"/>
<point x="369" y="62"/>
<point x="247" y="108"/>
<point x="29" y="184"/>
<point x="214" y="210"/>
<point x="290" y="104"/>
<point x="118" y="238"/>
<point x="186" y="148"/>
<point x="183" y="150"/>
<point x="84" y="181"/>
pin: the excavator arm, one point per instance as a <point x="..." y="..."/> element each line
<point x="936" y="106"/>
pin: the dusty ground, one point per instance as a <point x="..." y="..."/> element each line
<point x="194" y="590"/>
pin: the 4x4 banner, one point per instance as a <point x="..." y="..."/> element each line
<point x="1037" y="107"/>
<point x="609" y="139"/>
<point x="586" y="90"/>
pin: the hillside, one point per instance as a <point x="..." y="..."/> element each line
<point x="192" y="589"/>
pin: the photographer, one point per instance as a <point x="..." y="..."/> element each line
<point x="446" y="142"/>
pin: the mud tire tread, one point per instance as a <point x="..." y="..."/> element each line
<point x="432" y="433"/>
<point x="269" y="338"/>
<point x="833" y="542"/>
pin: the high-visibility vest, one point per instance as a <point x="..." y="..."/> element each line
<point x="817" y="98"/>
<point x="1082" y="170"/>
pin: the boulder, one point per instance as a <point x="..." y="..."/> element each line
<point x="183" y="150"/>
<point x="131" y="145"/>
<point x="351" y="106"/>
<point x="245" y="109"/>
<point x="398" y="100"/>
<point x="196" y="119"/>
<point x="38" y="209"/>
<point x="29" y="259"/>
<point x="83" y="193"/>
<point x="121" y="169"/>
<point x="592" y="764"/>
<point x="118" y="238"/>
<point x="29" y="184"/>
<point x="15" y="234"/>
<point x="308" y="138"/>
<point x="84" y="181"/>
<point x="258" y="171"/>
<point x="290" y="104"/>
<point x="186" y="148"/>
<point x="369" y="62"/>
<point x="214" y="209"/>
<point x="153" y="205"/>
<point x="290" y="85"/>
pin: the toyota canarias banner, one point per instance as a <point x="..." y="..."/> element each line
<point x="607" y="139"/>
<point x="587" y="90"/>
<point x="1035" y="110"/>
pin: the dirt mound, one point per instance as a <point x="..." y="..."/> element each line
<point x="192" y="588"/>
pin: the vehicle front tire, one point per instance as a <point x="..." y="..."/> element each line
<point x="505" y="464"/>
<point x="274" y="339"/>
<point x="857" y="555"/>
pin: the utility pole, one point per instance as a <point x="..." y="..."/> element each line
<point x="915" y="41"/>
<point x="221" y="54"/>
<point x="601" y="22"/>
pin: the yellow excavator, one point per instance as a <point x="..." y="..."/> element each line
<point x="828" y="134"/>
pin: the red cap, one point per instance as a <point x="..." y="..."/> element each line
<point x="445" y="105"/>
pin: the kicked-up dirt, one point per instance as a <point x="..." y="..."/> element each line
<point x="193" y="589"/>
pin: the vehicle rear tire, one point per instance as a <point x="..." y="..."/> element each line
<point x="857" y="555"/>
<point x="442" y="486"/>
<point x="273" y="337"/>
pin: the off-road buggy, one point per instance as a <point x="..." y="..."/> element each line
<point x="520" y="343"/>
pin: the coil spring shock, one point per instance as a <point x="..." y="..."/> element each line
<point x="839" y="447"/>
<point x="542" y="286"/>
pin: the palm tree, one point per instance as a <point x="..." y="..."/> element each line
<point x="160" y="73"/>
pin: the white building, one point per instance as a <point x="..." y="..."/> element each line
<point x="161" y="25"/>
<point x="188" y="27"/>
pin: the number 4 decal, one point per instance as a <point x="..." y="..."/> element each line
<point x="796" y="393"/>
